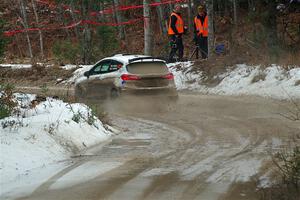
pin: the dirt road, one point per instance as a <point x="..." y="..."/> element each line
<point x="204" y="147"/>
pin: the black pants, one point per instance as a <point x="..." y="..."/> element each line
<point x="203" y="46"/>
<point x="176" y="44"/>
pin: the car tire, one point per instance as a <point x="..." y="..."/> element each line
<point x="78" y="94"/>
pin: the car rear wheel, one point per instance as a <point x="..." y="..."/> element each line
<point x="114" y="93"/>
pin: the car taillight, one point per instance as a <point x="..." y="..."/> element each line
<point x="169" y="76"/>
<point x="128" y="77"/>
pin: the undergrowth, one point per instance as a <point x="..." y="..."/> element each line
<point x="7" y="103"/>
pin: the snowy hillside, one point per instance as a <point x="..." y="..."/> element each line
<point x="273" y="81"/>
<point x="41" y="134"/>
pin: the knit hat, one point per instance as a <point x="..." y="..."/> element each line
<point x="201" y="8"/>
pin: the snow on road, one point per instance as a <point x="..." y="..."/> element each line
<point x="81" y="174"/>
<point x="50" y="132"/>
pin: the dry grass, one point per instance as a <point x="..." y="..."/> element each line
<point x="285" y="174"/>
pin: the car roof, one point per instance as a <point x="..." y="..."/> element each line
<point x="125" y="58"/>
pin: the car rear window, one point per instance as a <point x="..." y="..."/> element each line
<point x="147" y="68"/>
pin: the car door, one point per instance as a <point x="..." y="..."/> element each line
<point x="95" y="87"/>
<point x="108" y="75"/>
<point x="103" y="77"/>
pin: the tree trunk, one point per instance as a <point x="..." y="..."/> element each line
<point x="86" y="40"/>
<point x="210" y="8"/>
<point x="161" y="20"/>
<point x="226" y="11"/>
<point x="40" y="32"/>
<point x="60" y="18"/>
<point x="190" y="15"/>
<point x="74" y="18"/>
<point x="270" y="23"/>
<point x="25" y="24"/>
<point x="251" y="6"/>
<point x="235" y="12"/>
<point x="119" y="19"/>
<point x="100" y="16"/>
<point x="147" y="29"/>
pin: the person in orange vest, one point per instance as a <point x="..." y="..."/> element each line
<point x="176" y="29"/>
<point x="201" y="31"/>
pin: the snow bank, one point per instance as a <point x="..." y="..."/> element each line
<point x="24" y="66"/>
<point x="16" y="66"/>
<point x="273" y="81"/>
<point x="50" y="132"/>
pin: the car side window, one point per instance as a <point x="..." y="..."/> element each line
<point x="100" y="68"/>
<point x="96" y="70"/>
<point x="105" y="67"/>
<point x="115" y="65"/>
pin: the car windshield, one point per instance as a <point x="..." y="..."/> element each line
<point x="156" y="67"/>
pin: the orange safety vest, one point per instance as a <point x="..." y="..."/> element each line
<point x="201" y="28"/>
<point x="179" y="24"/>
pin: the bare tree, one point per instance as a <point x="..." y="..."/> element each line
<point x="119" y="19"/>
<point x="235" y="11"/>
<point x="60" y="18"/>
<point x="87" y="35"/>
<point x="40" y="32"/>
<point x="210" y="8"/>
<point x="147" y="29"/>
<point x="250" y="5"/>
<point x="190" y="15"/>
<point x="161" y="20"/>
<point x="25" y="24"/>
<point x="74" y="18"/>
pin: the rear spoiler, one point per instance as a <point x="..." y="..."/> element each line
<point x="146" y="58"/>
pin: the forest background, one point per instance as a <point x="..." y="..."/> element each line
<point x="84" y="31"/>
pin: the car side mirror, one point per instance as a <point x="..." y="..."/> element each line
<point x="87" y="74"/>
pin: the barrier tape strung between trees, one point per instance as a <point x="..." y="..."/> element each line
<point x="82" y="22"/>
<point x="124" y="8"/>
<point x="111" y="10"/>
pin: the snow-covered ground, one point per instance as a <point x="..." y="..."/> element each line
<point x="40" y="135"/>
<point x="36" y="138"/>
<point x="24" y="66"/>
<point x="273" y="81"/>
<point x="16" y="66"/>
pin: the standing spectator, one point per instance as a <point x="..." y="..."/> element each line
<point x="175" y="32"/>
<point x="201" y="31"/>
